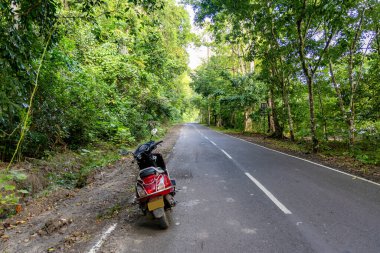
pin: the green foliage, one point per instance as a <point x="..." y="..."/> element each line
<point x="316" y="67"/>
<point x="227" y="93"/>
<point x="105" y="76"/>
<point x="110" y="212"/>
<point x="9" y="195"/>
<point x="83" y="165"/>
<point x="110" y="69"/>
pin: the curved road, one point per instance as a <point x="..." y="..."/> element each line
<point x="239" y="197"/>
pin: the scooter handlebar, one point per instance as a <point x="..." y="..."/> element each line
<point x="148" y="148"/>
<point x="156" y="144"/>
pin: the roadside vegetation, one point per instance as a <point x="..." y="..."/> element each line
<point x="334" y="155"/>
<point x="305" y="71"/>
<point x="81" y="79"/>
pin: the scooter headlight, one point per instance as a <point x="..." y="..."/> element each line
<point x="140" y="191"/>
<point x="161" y="184"/>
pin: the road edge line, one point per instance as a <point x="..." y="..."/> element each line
<point x="299" y="158"/>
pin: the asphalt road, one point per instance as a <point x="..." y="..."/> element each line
<point x="239" y="197"/>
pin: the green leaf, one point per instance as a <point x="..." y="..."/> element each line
<point x="18" y="175"/>
<point x="9" y="187"/>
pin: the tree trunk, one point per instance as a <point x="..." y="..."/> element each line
<point x="251" y="66"/>
<point x="216" y="114"/>
<point x="65" y="4"/>
<point x="240" y="56"/>
<point x="209" y="112"/>
<point x="346" y="117"/>
<point x="323" y="113"/>
<point x="353" y="85"/>
<point x="16" y="18"/>
<point x="276" y="129"/>
<point x="349" y="118"/>
<point x="247" y="119"/>
<point x="219" y="121"/>
<point x="337" y="90"/>
<point x="230" y="121"/>
<point x="351" y="115"/>
<point x="312" y="115"/>
<point x="309" y="78"/>
<point x="285" y="98"/>
<point x="271" y="127"/>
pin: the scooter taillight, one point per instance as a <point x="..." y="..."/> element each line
<point x="168" y="183"/>
<point x="150" y="188"/>
<point x="149" y="184"/>
<point x="149" y="179"/>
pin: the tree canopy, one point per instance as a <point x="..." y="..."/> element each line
<point x="109" y="68"/>
<point x="299" y="69"/>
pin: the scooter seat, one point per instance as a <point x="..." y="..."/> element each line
<point x="147" y="172"/>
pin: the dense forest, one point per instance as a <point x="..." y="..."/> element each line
<point x="301" y="70"/>
<point x="73" y="72"/>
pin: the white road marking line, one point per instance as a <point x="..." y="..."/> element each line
<point x="198" y="131"/>
<point x="299" y="158"/>
<point x="102" y="239"/>
<point x="213" y="143"/>
<point x="269" y="194"/>
<point x="226" y="154"/>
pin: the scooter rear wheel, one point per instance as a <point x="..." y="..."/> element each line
<point x="163" y="221"/>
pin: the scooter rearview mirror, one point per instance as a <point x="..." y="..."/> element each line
<point x="124" y="152"/>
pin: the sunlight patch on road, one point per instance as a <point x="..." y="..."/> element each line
<point x="230" y="200"/>
<point x="233" y="223"/>
<point x="202" y="235"/>
<point x="190" y="203"/>
<point x="249" y="231"/>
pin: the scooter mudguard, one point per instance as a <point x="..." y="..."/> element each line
<point x="158" y="213"/>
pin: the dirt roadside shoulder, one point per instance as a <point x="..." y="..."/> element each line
<point x="70" y="220"/>
<point x="344" y="164"/>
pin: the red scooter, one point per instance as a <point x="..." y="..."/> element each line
<point x="154" y="189"/>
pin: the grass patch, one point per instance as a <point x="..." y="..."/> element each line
<point x="280" y="143"/>
<point x="109" y="213"/>
<point x="67" y="168"/>
<point x="363" y="153"/>
<point x="71" y="169"/>
<point x="288" y="145"/>
<point x="224" y="130"/>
